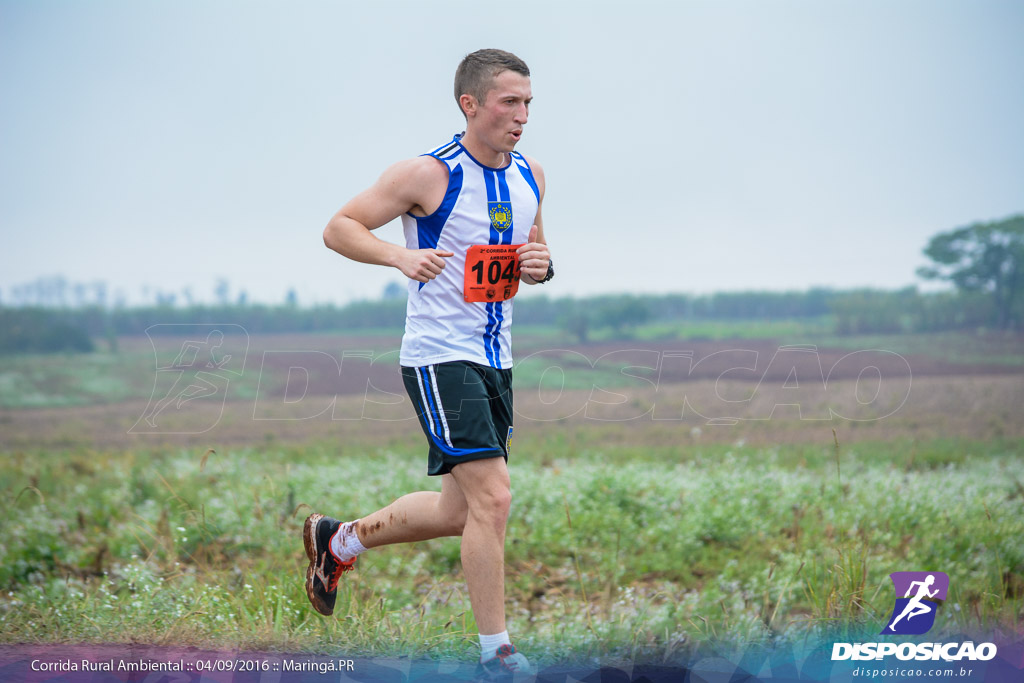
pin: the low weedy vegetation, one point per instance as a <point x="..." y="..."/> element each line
<point x="611" y="554"/>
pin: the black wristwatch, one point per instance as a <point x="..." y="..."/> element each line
<point x="551" y="272"/>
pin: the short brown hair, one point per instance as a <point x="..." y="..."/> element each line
<point x="478" y="70"/>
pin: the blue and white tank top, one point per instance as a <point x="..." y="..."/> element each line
<point x="483" y="205"/>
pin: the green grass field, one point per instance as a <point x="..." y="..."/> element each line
<point x="612" y="553"/>
<point x="638" y="540"/>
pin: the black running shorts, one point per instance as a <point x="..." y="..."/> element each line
<point x="465" y="410"/>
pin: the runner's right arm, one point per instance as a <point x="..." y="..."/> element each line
<point x="416" y="185"/>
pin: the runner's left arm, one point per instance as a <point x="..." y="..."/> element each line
<point x="534" y="255"/>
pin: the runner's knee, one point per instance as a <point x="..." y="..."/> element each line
<point x="492" y="507"/>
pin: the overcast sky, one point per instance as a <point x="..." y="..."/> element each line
<point x="688" y="146"/>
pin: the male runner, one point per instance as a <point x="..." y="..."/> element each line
<point x="471" y="211"/>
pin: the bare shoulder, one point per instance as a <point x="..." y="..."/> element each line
<point x="538" y="172"/>
<point x="421" y="172"/>
<point x="420" y="182"/>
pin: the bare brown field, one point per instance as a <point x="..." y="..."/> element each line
<point x="307" y="387"/>
<point x="324" y="355"/>
<point x="980" y="406"/>
<point x="374" y="360"/>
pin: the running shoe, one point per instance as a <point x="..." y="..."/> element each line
<point x="324" y="569"/>
<point x="503" y="665"/>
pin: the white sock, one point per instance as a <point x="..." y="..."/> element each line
<point x="489" y="645"/>
<point x="345" y="543"/>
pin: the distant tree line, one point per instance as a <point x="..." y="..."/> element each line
<point x="853" y="312"/>
<point x="983" y="261"/>
<point x="37" y="330"/>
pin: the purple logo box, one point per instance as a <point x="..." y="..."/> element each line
<point x="902" y="580"/>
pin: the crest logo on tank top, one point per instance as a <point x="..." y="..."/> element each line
<point x="501" y="215"/>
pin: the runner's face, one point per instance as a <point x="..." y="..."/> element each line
<point x="501" y="118"/>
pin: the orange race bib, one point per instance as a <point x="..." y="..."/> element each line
<point x="492" y="272"/>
